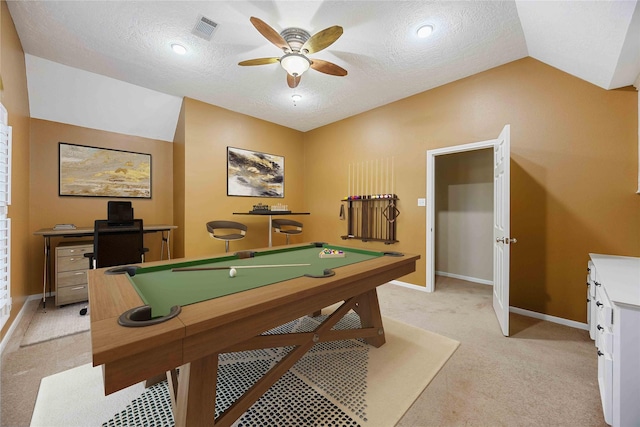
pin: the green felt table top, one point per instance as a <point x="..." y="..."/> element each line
<point x="161" y="288"/>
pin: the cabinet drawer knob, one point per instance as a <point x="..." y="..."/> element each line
<point x="600" y="328"/>
<point x="600" y="353"/>
<point x="598" y="303"/>
<point x="598" y="283"/>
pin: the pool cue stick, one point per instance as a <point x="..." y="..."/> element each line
<point x="386" y="192"/>
<point x="364" y="179"/>
<point x="236" y="267"/>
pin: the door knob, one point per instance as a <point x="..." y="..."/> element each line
<point x="506" y="240"/>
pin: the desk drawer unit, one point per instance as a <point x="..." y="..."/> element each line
<point x="591" y="303"/>
<point x="71" y="272"/>
<point x="604" y="344"/>
<point x="614" y="304"/>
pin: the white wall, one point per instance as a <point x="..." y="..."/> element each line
<point x="464" y="215"/>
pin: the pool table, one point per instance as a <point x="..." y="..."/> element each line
<point x="198" y="311"/>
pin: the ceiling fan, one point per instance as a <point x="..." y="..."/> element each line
<point x="296" y="44"/>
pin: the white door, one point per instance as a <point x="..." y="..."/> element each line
<point x="501" y="214"/>
<point x="501" y="229"/>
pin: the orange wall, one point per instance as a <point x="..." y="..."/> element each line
<point x="15" y="99"/>
<point x="209" y="130"/>
<point x="178" y="185"/>
<point x="48" y="209"/>
<point x="574" y="151"/>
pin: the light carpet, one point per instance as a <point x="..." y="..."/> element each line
<point x="55" y="322"/>
<point x="343" y="383"/>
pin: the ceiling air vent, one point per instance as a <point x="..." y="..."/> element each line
<point x="204" y="28"/>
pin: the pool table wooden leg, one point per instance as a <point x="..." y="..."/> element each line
<point x="172" y="383"/>
<point x="196" y="399"/>
<point x="368" y="309"/>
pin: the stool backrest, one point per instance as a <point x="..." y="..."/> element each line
<point x="228" y="225"/>
<point x="284" y="223"/>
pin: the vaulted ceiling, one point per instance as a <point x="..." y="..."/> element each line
<point x="109" y="64"/>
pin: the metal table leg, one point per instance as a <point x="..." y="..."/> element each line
<point x="47" y="248"/>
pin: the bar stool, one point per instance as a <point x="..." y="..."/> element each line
<point x="287" y="227"/>
<point x="227" y="231"/>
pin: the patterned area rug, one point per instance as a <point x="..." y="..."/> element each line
<point x="55" y="322"/>
<point x="342" y="383"/>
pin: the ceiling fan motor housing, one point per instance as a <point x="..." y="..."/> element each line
<point x="295" y="37"/>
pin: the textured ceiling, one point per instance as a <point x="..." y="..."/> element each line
<point x="598" y="41"/>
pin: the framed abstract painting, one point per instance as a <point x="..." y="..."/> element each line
<point x="103" y="172"/>
<point x="254" y="174"/>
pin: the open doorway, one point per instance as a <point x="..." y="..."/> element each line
<point x="463" y="223"/>
<point x="500" y="239"/>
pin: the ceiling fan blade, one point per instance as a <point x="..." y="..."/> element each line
<point x="328" y="67"/>
<point x="322" y="39"/>
<point x="293" y="81"/>
<point x="259" y="61"/>
<point x="269" y="33"/>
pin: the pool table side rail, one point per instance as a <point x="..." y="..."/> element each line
<point x="284" y="302"/>
<point x="234" y="307"/>
<point x="140" y="353"/>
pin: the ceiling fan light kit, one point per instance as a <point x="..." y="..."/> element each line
<point x="296" y="44"/>
<point x="295" y="63"/>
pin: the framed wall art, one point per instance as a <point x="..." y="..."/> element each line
<point x="254" y="174"/>
<point x="103" y="172"/>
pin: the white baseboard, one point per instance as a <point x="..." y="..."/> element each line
<point x="467" y="278"/>
<point x="549" y="318"/>
<point x="409" y="285"/>
<point x="16" y="322"/>
<point x="516" y="310"/>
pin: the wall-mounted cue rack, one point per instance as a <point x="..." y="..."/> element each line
<point x="372" y="218"/>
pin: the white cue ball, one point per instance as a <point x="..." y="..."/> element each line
<point x="232" y="272"/>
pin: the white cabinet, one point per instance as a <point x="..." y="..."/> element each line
<point x="613" y="304"/>
<point x="71" y="272"/>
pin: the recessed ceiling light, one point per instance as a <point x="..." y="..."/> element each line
<point x="179" y="49"/>
<point x="425" y="31"/>
<point x="296" y="97"/>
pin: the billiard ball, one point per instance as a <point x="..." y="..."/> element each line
<point x="232" y="272"/>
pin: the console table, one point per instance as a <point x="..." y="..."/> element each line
<point x="48" y="233"/>
<point x="270" y="214"/>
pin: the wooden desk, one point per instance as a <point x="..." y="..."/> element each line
<point x="270" y="214"/>
<point x="48" y="233"/>
<point x="232" y="322"/>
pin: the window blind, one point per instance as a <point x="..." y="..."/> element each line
<point x="5" y="221"/>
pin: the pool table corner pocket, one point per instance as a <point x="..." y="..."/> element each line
<point x="141" y="316"/>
